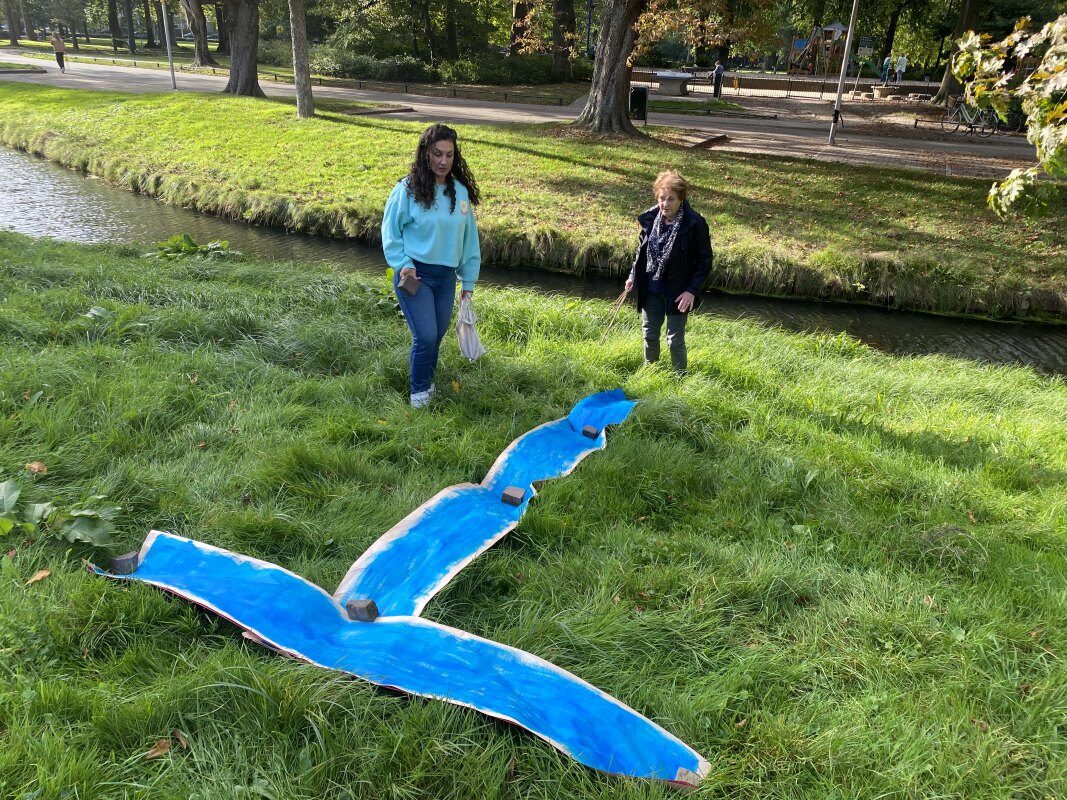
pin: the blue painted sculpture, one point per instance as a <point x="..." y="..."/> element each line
<point x="400" y="573"/>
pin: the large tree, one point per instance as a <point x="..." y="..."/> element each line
<point x="27" y="23"/>
<point x="113" y="24"/>
<point x="305" y="103"/>
<point x="150" y="34"/>
<point x="12" y="23"/>
<point x="194" y="12"/>
<point x="131" y="32"/>
<point x="243" y="16"/>
<point x="563" y="35"/>
<point x="967" y="21"/>
<point x="606" y="109"/>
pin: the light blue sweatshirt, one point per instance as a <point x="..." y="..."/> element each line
<point x="432" y="236"/>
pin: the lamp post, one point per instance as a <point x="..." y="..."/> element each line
<point x="844" y="69"/>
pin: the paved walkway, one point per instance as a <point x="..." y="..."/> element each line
<point x="791" y="135"/>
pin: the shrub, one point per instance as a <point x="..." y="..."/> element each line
<point x="340" y="63"/>
<point x="276" y="53"/>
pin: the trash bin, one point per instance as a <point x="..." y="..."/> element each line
<point x="639" y="102"/>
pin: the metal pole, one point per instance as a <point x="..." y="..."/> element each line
<point x="170" y="55"/>
<point x="844" y="69"/>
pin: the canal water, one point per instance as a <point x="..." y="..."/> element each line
<point x="40" y="198"/>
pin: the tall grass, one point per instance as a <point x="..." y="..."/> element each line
<point x="564" y="202"/>
<point x="835" y="572"/>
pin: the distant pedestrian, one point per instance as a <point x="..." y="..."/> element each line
<point x="885" y="69"/>
<point x="902" y="64"/>
<point x="431" y="241"/>
<point x="60" y="48"/>
<point x="717" y="77"/>
<point x="672" y="265"/>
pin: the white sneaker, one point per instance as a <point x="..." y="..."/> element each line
<point x="420" y="399"/>
<point x="432" y="391"/>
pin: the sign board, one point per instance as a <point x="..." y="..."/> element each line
<point x="866" y="46"/>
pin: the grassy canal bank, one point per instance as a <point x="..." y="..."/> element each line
<point x="834" y="572"/>
<point x="561" y="202"/>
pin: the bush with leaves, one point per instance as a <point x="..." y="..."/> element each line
<point x="183" y="245"/>
<point x="90" y="522"/>
<point x="1042" y="91"/>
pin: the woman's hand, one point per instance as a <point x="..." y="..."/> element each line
<point x="629" y="285"/>
<point x="409" y="271"/>
<point x="465" y="294"/>
<point x="685" y="302"/>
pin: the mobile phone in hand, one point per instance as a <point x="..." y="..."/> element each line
<point x="409" y="283"/>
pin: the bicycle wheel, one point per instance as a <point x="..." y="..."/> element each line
<point x="986" y="124"/>
<point x="950" y="123"/>
<point x="1016" y="123"/>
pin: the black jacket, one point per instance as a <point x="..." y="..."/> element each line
<point x="689" y="264"/>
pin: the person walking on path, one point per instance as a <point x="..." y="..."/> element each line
<point x="430" y="239"/>
<point x="672" y="264"/>
<point x="718" y="76"/>
<point x="60" y="48"/>
<point x="902" y="64"/>
<point x="885" y="69"/>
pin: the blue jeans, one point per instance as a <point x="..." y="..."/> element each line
<point x="428" y="313"/>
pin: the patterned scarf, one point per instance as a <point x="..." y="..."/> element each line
<point x="660" y="244"/>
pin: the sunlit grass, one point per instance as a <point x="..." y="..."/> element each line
<point x="835" y="572"/>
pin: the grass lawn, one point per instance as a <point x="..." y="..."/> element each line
<point x="10" y="65"/>
<point x="834" y="572"/>
<point x="563" y="201"/>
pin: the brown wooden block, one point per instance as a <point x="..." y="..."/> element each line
<point x="513" y="496"/>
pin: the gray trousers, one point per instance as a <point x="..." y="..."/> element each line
<point x="652" y="316"/>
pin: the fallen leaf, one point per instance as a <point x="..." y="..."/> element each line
<point x="161" y="748"/>
<point x="233" y="405"/>
<point x="929" y="601"/>
<point x="741" y="724"/>
<point x="456" y="386"/>
<point x="382" y="421"/>
<point x="39" y="575"/>
<point x="37" y="468"/>
<point x="177" y="734"/>
<point x="193" y="377"/>
<point x="201" y="445"/>
<point x="970" y="516"/>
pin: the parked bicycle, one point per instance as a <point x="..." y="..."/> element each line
<point x="978" y="121"/>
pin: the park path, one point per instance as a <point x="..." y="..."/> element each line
<point x="788" y="136"/>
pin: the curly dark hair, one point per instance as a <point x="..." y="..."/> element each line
<point x="420" y="179"/>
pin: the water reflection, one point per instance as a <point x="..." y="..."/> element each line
<point x="42" y="199"/>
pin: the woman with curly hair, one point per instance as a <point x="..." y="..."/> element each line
<point x="430" y="240"/>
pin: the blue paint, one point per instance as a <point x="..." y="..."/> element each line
<point x="410" y="563"/>
<point x="401" y="572"/>
<point x="418" y="656"/>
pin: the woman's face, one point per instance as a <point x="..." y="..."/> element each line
<point x="441" y="154"/>
<point x="668" y="203"/>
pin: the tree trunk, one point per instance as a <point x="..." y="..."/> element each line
<point x="12" y="23"/>
<point x="305" y="103"/>
<point x="162" y="26"/>
<point x="224" y="30"/>
<point x="131" y="41"/>
<point x="890" y="32"/>
<point x="113" y="24"/>
<point x="427" y="31"/>
<point x="606" y="109"/>
<point x="151" y="34"/>
<point x="243" y="17"/>
<point x="968" y="21"/>
<point x="520" y="24"/>
<point x="194" y="12"/>
<point x="563" y="34"/>
<point x="451" y="34"/>
<point x="74" y="37"/>
<point x="27" y="23"/>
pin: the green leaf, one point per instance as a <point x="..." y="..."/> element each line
<point x="36" y="513"/>
<point x="6" y="524"/>
<point x="96" y="312"/>
<point x="90" y="530"/>
<point x="9" y="495"/>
